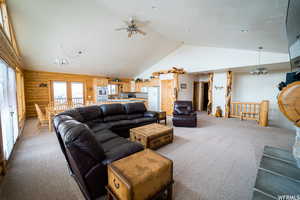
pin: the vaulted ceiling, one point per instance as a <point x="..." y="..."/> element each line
<point x="47" y="30"/>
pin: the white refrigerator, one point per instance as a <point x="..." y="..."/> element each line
<point x="154" y="98"/>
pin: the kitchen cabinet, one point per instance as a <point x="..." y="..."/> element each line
<point x="126" y="87"/>
<point x="101" y="81"/>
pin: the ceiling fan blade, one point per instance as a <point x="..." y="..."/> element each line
<point x="142" y="23"/>
<point x="141" y="32"/>
<point x="127" y="23"/>
<point x="120" y="29"/>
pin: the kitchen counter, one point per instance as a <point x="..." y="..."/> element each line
<point x="128" y="100"/>
<point x="123" y="101"/>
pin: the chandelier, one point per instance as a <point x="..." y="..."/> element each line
<point x="259" y="70"/>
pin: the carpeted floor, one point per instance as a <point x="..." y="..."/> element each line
<point x="216" y="161"/>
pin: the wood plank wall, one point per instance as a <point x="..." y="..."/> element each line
<point x="34" y="94"/>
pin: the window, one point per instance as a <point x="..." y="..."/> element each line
<point x="1" y="17"/>
<point x="67" y="92"/>
<point x="60" y="92"/>
<point x="112" y="89"/>
<point x="77" y="92"/>
<point x="8" y="108"/>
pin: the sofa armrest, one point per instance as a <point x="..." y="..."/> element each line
<point x="194" y="113"/>
<point x="151" y="114"/>
<point x="96" y="180"/>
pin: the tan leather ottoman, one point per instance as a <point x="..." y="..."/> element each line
<point x="140" y="176"/>
<point x="152" y="136"/>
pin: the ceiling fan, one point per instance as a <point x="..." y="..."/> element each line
<point x="132" y="28"/>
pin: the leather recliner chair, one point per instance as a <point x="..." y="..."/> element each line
<point x="184" y="115"/>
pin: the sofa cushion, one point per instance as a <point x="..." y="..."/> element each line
<point x="181" y="110"/>
<point x="114" y="118"/>
<point x="74" y="114"/>
<point x="121" y="151"/>
<point x="83" y="138"/>
<point x="64" y="126"/>
<point x="93" y="122"/>
<point x="144" y="120"/>
<point x="121" y="123"/>
<point x="100" y="126"/>
<point x="183" y="107"/>
<point x="184" y="117"/>
<point x="105" y="135"/>
<point x="89" y="113"/>
<point x="135" y="108"/>
<point x="112" y="109"/>
<point x="61" y="118"/>
<point x="134" y="116"/>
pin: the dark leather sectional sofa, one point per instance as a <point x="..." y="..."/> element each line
<point x="94" y="136"/>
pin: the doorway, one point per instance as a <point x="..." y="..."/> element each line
<point x="64" y="92"/>
<point x="8" y="108"/>
<point x="200" y="95"/>
<point x="205" y="96"/>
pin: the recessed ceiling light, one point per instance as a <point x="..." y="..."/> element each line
<point x="244" y="31"/>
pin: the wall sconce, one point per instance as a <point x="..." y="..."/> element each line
<point x="219" y="87"/>
<point x="43" y="85"/>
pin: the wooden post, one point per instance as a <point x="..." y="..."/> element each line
<point x="263" y="113"/>
<point x="228" y="94"/>
<point x="210" y="82"/>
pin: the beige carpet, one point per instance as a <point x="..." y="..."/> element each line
<point x="216" y="161"/>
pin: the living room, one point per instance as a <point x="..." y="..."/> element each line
<point x="149" y="99"/>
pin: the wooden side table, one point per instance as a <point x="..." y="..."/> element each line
<point x="162" y="115"/>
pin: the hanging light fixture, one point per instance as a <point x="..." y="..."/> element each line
<point x="64" y="57"/>
<point x="259" y="70"/>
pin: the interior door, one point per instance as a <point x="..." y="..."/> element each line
<point x="8" y="108"/>
<point x="166" y="96"/>
<point x="77" y="93"/>
<point x="64" y="92"/>
<point x="196" y="96"/>
<point x="153" y="98"/>
<point x="60" y="92"/>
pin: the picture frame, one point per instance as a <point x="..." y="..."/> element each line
<point x="183" y="86"/>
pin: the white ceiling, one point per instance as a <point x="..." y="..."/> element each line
<point x="88" y="26"/>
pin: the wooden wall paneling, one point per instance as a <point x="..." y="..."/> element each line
<point x="43" y="95"/>
<point x="228" y="94"/>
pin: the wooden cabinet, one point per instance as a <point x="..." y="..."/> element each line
<point x="101" y="82"/>
<point x="154" y="82"/>
<point x="138" y="86"/>
<point x="126" y="87"/>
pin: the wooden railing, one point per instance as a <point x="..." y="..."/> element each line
<point x="251" y="108"/>
<point x="250" y="111"/>
<point x="58" y="101"/>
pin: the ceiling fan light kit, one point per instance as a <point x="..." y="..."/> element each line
<point x="132" y="28"/>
